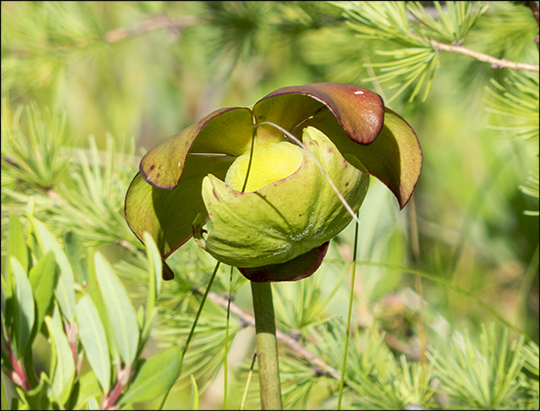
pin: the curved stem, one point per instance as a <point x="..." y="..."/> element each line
<point x="192" y="330"/>
<point x="265" y="326"/>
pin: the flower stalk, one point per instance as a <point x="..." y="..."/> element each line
<point x="265" y="326"/>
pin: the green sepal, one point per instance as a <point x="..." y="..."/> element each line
<point x="226" y="131"/>
<point x="168" y="215"/>
<point x="275" y="224"/>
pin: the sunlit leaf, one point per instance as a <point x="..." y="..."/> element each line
<point x="155" y="377"/>
<point x="16" y="248"/>
<point x="64" y="289"/>
<point x="43" y="278"/>
<point x="93" y="339"/>
<point x="121" y="312"/>
<point x="24" y="309"/>
<point x="63" y="369"/>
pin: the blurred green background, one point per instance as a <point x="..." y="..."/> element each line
<point x="146" y="70"/>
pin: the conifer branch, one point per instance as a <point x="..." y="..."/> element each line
<point x="495" y="63"/>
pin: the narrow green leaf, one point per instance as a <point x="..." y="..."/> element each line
<point x="93" y="339"/>
<point x="194" y="394"/>
<point x="154" y="283"/>
<point x="92" y="404"/>
<point x="65" y="293"/>
<point x="140" y="319"/>
<point x="3" y="300"/>
<point x="155" y="377"/>
<point x="24" y="308"/>
<point x="94" y="292"/>
<point x="64" y="369"/>
<point x="38" y="399"/>
<point x="43" y="278"/>
<point x="74" y="254"/>
<point x="89" y="389"/>
<point x="121" y="312"/>
<point x="16" y="248"/>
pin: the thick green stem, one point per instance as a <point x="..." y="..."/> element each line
<point x="265" y="325"/>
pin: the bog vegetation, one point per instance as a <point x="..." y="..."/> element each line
<point x="446" y="302"/>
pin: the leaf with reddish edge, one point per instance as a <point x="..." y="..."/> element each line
<point x="395" y="157"/>
<point x="359" y="111"/>
<point x="226" y="131"/>
<point x="296" y="269"/>
<point x="165" y="197"/>
<point x="168" y="214"/>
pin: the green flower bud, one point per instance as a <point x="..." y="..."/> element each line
<point x="287" y="211"/>
<point x="275" y="226"/>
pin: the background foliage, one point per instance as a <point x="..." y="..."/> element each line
<point x="446" y="296"/>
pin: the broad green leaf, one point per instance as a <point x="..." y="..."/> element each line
<point x="89" y="389"/>
<point x="24" y="308"/>
<point x="63" y="368"/>
<point x="43" y="278"/>
<point x="155" y="377"/>
<point x="16" y="248"/>
<point x="121" y="312"/>
<point x="194" y="394"/>
<point x="93" y="339"/>
<point x="65" y="293"/>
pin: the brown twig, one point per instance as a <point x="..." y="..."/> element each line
<point x="534" y="9"/>
<point x="495" y="63"/>
<point x="284" y="338"/>
<point x="175" y="26"/>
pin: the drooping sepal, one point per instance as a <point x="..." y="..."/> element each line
<point x="226" y="131"/>
<point x="296" y="269"/>
<point x="168" y="215"/>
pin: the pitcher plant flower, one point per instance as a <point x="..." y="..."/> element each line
<point x="265" y="188"/>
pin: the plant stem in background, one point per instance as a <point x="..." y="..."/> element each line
<point x="226" y="358"/>
<point x="415" y="245"/>
<point x="265" y="326"/>
<point x="347" y="329"/>
<point x="193" y="328"/>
